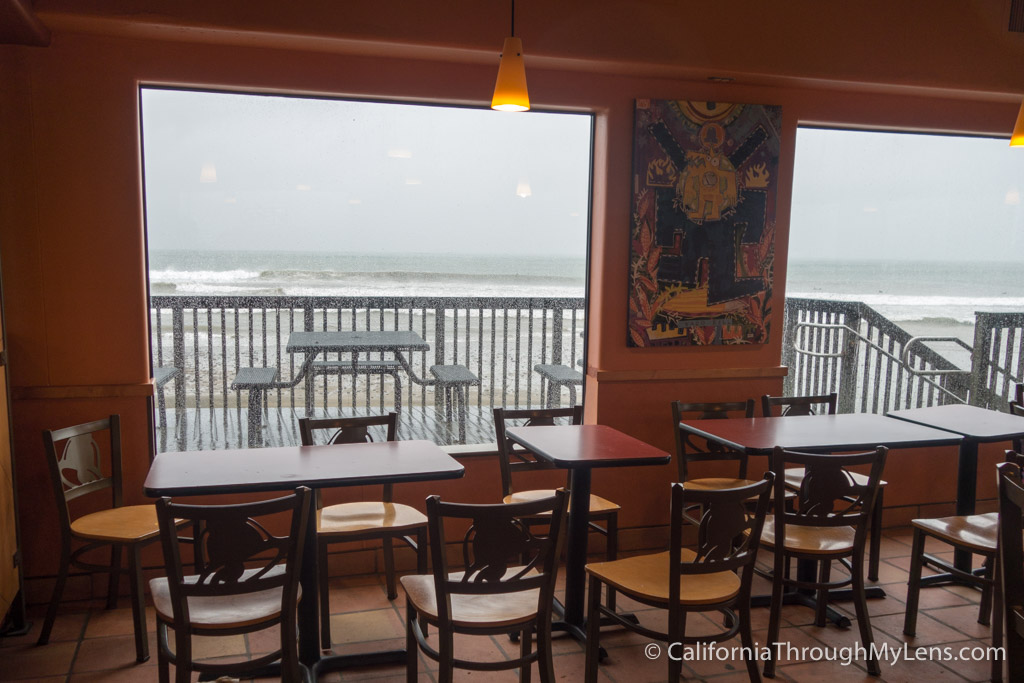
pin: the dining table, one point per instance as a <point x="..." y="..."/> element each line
<point x="354" y="342"/>
<point x="844" y="432"/>
<point x="203" y="473"/>
<point x="581" y="449"/>
<point x="976" y="425"/>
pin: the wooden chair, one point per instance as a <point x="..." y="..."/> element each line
<point x="829" y="523"/>
<point x="513" y="458"/>
<point x="382" y="520"/>
<point x="826" y="404"/>
<point x="250" y="583"/>
<point x="497" y="592"/>
<point x="976" y="534"/>
<point x="717" y="577"/>
<point x="77" y="470"/>
<point x="1011" y="566"/>
<point x="690" y="448"/>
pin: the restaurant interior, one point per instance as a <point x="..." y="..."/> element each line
<point x="76" y="311"/>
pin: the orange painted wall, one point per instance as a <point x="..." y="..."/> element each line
<point x="72" y="240"/>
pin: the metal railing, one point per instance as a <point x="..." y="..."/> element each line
<point x="997" y="361"/>
<point x="499" y="338"/>
<point x="872" y="363"/>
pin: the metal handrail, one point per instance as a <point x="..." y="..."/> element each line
<point x="932" y="373"/>
<point x="925" y="376"/>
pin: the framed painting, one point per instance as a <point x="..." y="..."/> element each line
<point x="703" y="223"/>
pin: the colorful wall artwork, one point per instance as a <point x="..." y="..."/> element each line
<point x="702" y="241"/>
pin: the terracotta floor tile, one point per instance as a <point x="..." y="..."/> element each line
<point x="345" y="597"/>
<point x="889" y="571"/>
<point x="116" y="622"/>
<point x="382" y="670"/>
<point x="65" y="627"/>
<point x="211" y="647"/>
<point x="113" y="652"/>
<point x="31" y="662"/>
<point x="893" y="547"/>
<point x="357" y="627"/>
<point x="833" y="672"/>
<point x="127" y="674"/>
<point x="963" y="619"/>
<point x="633" y="664"/>
<point x="570" y="667"/>
<point x="968" y="667"/>
<point x="473" y="648"/>
<point x="929" y="631"/>
<point x="262" y="642"/>
<point x="931" y="597"/>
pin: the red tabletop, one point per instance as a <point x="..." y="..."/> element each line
<point x="587" y="446"/>
<point x="976" y="423"/>
<point x="845" y="432"/>
<point x="277" y="469"/>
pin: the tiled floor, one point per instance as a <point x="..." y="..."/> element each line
<point x="90" y="644"/>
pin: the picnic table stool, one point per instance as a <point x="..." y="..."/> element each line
<point x="454" y="380"/>
<point x="257" y="381"/>
<point x="558" y="376"/>
<point x="364" y="367"/>
<point x="162" y="376"/>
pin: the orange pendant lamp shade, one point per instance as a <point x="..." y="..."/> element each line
<point x="1017" y="139"/>
<point x="510" y="92"/>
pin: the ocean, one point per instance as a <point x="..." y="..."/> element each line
<point x="934" y="298"/>
<point x="327" y="274"/>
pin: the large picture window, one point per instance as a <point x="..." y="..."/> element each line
<point x="925" y="232"/>
<point x="268" y="215"/>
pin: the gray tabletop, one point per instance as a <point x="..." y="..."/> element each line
<point x="973" y="422"/>
<point x="353" y="341"/>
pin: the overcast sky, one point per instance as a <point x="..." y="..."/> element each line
<point x="858" y="195"/>
<point x="229" y="172"/>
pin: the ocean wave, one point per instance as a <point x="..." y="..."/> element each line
<point x="171" y="275"/>
<point x="409" y="276"/>
<point x="920" y="300"/>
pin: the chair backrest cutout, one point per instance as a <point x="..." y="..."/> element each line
<point x="791" y="406"/>
<point x="494" y="547"/>
<point x="242" y="555"/>
<point x="514" y="458"/>
<point x="691" y="448"/>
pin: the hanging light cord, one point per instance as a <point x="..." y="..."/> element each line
<point x="513" y="34"/>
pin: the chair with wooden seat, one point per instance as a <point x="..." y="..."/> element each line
<point x="1011" y="567"/>
<point x="976" y="534"/>
<point x="513" y="458"/>
<point x="716" y="577"/>
<point x="507" y="584"/>
<point x="826" y="404"/>
<point x="382" y="519"/>
<point x="77" y="470"/>
<point x="250" y="582"/>
<point x="828" y="523"/>
<point x="691" y="448"/>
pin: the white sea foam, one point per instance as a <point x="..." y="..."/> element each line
<point x="201" y="276"/>
<point x="978" y="302"/>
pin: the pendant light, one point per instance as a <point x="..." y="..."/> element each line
<point x="1017" y="139"/>
<point x="510" y="92"/>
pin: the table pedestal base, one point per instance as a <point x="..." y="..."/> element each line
<point x="809" y="599"/>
